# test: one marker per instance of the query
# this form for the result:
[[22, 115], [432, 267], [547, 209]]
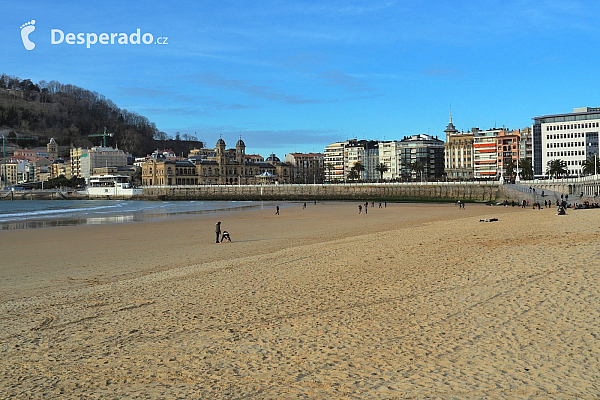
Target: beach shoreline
[[418, 300]]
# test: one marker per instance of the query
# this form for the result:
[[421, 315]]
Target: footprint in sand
[[26, 29]]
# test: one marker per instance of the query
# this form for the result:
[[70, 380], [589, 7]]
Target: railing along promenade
[[414, 191], [584, 186]]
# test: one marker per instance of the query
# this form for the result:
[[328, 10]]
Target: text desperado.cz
[[57, 37]]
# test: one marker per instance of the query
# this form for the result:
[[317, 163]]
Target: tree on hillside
[[69, 114]]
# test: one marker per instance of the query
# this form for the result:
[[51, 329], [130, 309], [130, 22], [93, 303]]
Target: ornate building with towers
[[219, 167]]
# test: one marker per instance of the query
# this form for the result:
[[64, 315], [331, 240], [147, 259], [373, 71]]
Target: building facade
[[485, 155], [526, 144], [334, 162], [390, 156], [221, 167], [365, 152], [306, 167], [424, 151], [507, 144], [572, 138], [458, 154], [100, 157]]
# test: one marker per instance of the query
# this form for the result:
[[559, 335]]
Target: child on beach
[[226, 237]]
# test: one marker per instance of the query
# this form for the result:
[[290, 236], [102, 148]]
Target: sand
[[408, 301]]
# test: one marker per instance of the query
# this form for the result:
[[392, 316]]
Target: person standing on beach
[[360, 208], [277, 210], [218, 230]]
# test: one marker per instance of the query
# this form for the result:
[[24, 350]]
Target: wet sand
[[408, 301]]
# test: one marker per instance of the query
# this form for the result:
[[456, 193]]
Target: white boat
[[110, 185]]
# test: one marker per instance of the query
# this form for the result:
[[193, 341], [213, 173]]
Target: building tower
[[240, 152], [52, 149], [220, 147], [450, 129]]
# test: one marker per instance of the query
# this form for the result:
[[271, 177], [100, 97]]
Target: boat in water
[[110, 186]]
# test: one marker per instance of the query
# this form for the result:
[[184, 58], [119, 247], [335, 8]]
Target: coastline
[[417, 300]]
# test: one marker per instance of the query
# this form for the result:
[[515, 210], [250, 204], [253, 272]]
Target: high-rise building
[[572, 138]]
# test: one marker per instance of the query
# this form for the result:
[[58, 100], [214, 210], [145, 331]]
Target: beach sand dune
[[409, 301]]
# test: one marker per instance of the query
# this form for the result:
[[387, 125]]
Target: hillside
[[70, 113]]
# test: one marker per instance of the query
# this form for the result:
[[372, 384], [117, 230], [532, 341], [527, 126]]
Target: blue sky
[[293, 76]]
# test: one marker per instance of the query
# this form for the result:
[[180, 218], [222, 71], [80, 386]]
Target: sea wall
[[438, 191]]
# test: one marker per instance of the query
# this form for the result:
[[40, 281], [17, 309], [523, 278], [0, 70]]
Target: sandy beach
[[407, 301]]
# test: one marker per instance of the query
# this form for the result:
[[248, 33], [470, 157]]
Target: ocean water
[[28, 214]]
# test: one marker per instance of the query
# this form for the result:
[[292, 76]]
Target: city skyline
[[296, 76]]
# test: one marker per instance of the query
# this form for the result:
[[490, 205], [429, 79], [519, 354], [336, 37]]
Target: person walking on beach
[[218, 230], [304, 206], [277, 210], [360, 208]]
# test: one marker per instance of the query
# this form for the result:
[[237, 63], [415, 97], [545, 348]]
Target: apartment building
[[507, 150], [334, 162], [485, 155], [390, 155], [423, 150]]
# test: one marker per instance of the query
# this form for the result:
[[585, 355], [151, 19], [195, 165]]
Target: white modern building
[[572, 138]]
